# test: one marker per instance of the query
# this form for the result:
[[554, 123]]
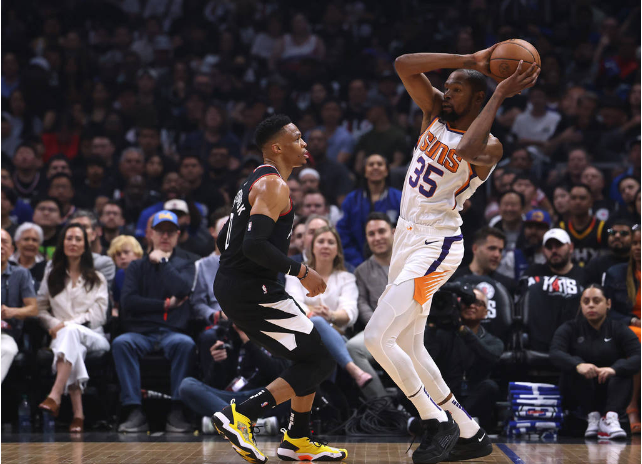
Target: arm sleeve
[[47, 320], [258, 248], [560, 349], [363, 303], [348, 297], [130, 299], [96, 314], [630, 344]]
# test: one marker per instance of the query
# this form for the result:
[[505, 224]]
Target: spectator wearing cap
[[171, 189], [27, 240], [9, 200], [18, 303], [46, 214], [602, 206], [335, 178], [193, 238], [586, 231], [309, 179], [488, 247], [192, 172], [558, 250], [61, 188], [154, 311], [384, 138], [619, 236], [529, 245], [375, 196]]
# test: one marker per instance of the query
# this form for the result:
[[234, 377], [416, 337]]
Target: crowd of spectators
[[127, 129]]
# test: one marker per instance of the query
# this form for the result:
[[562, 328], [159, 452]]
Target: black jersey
[[233, 261], [587, 242]]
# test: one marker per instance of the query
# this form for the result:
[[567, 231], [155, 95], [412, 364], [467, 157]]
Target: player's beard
[[449, 116]]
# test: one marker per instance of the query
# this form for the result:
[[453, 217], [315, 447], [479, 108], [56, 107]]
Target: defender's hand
[[521, 79], [313, 283]]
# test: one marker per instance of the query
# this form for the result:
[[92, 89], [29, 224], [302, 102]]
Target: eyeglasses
[[623, 233]]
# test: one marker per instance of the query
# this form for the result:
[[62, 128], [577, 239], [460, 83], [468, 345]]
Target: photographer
[[463, 350]]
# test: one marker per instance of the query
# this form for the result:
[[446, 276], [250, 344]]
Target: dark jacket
[[351, 226], [615, 289], [460, 353], [145, 289], [614, 345]]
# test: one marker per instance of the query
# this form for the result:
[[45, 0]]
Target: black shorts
[[269, 316]]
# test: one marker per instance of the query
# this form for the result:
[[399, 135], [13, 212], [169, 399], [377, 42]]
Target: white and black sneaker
[[593, 425], [477, 446], [439, 438]]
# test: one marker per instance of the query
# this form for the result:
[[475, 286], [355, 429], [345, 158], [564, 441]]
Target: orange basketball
[[507, 55]]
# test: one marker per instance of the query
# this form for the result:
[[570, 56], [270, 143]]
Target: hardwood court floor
[[214, 450]]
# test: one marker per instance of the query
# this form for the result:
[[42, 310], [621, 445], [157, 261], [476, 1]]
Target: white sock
[[426, 407], [467, 426]]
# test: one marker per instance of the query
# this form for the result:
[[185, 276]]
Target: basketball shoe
[[305, 449], [610, 427], [239, 430], [477, 446], [439, 438]]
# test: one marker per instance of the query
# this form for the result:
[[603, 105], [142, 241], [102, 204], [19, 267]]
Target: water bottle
[[24, 416], [48, 422]]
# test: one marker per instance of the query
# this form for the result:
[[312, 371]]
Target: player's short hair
[[269, 127], [476, 80], [482, 235]]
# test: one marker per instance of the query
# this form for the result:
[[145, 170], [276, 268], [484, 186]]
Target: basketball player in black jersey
[[254, 245]]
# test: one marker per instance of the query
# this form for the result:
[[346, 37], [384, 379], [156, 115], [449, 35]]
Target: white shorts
[[426, 254]]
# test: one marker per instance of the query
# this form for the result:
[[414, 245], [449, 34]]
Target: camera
[[445, 308]]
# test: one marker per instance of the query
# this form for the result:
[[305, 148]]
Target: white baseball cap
[[176, 205], [558, 234]]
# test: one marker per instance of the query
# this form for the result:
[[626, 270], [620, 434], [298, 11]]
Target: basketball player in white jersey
[[454, 155]]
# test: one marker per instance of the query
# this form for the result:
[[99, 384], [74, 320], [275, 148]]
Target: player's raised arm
[[477, 146], [270, 197], [411, 69]]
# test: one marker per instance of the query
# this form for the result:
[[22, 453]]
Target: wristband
[[307, 269]]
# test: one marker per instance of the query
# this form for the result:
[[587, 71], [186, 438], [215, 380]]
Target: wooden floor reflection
[[215, 451]]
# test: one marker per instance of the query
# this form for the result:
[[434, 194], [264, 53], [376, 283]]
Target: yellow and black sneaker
[[239, 430], [304, 449]]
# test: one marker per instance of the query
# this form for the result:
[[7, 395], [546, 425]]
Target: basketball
[[507, 55]]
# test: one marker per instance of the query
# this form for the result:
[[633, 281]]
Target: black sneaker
[[439, 438], [476, 446]]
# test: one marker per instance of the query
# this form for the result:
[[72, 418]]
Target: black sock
[[256, 405], [299, 424]]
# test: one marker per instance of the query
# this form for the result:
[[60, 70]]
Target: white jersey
[[438, 181]]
